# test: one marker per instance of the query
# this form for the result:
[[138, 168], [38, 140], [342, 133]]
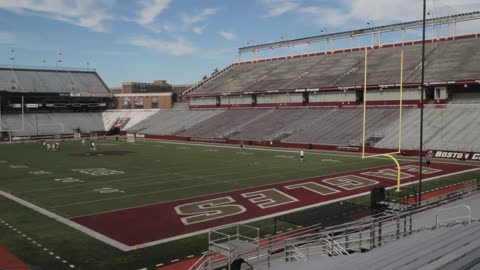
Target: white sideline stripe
[[290, 211], [282, 150], [68, 222]]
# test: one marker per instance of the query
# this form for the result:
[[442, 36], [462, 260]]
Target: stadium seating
[[447, 60], [171, 122], [51, 81], [52, 123], [224, 124], [452, 127], [427, 250], [134, 116], [449, 127]]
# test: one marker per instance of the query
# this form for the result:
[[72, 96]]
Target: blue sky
[[182, 40]]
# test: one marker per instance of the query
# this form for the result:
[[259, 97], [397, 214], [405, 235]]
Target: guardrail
[[358, 236], [468, 217]]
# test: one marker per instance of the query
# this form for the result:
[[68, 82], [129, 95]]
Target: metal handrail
[[469, 216], [202, 260], [299, 253], [344, 237]]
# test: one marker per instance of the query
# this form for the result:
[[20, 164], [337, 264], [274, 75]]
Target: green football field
[[75, 182], [150, 172]]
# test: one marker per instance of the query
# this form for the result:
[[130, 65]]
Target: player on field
[[301, 155], [83, 142], [428, 160], [92, 146]]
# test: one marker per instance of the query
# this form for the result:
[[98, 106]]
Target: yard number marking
[[39, 172], [98, 171], [108, 190], [68, 180]]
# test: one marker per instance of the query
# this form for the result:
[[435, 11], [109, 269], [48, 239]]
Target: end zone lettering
[[216, 208], [454, 155], [449, 154]]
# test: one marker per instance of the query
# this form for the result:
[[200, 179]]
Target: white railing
[[360, 235], [201, 262], [468, 217], [297, 254]]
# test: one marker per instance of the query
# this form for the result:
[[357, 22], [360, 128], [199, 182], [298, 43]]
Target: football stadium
[[363, 157]]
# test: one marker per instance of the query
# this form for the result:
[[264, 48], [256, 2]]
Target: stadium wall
[[277, 144]]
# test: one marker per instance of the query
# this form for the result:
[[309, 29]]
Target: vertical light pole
[[422, 88], [59, 59], [285, 38], [324, 30], [252, 43], [430, 13], [12, 57], [372, 24]]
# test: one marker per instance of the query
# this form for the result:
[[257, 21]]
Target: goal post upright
[[23, 118], [364, 125]]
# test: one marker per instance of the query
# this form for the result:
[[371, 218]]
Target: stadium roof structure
[[445, 20], [74, 82]]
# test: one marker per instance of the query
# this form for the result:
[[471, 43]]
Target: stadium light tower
[[374, 34], [12, 57], [430, 13], [252, 42], [286, 37], [59, 59], [324, 30]]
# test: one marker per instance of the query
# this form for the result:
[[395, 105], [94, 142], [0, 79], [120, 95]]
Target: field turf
[[150, 172], [136, 174]]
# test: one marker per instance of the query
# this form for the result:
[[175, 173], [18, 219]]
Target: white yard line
[[282, 150], [67, 222], [184, 178]]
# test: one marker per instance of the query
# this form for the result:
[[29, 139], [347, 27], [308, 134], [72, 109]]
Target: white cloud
[[90, 14], [228, 35], [7, 38], [279, 7], [199, 29], [151, 9], [175, 47], [346, 13], [198, 16]]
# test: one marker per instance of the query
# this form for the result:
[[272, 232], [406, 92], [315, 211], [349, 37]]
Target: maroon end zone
[[173, 220]]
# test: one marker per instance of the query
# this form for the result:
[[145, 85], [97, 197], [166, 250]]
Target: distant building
[[158, 86], [116, 90]]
